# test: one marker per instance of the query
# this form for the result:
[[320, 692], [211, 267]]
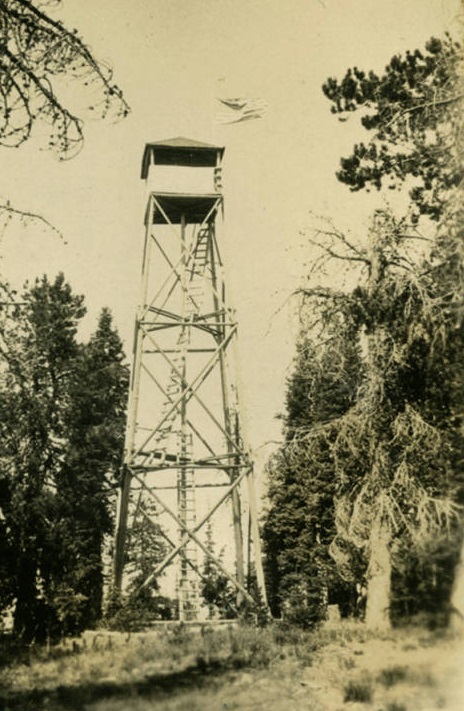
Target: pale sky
[[171, 57]]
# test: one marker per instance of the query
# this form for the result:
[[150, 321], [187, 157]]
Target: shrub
[[392, 675], [303, 604], [252, 647], [358, 690], [136, 613], [395, 706]]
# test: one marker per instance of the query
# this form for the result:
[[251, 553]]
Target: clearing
[[340, 668]]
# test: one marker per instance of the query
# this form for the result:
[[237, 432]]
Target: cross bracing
[[184, 434]]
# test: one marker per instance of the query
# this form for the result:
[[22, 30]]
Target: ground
[[340, 668]]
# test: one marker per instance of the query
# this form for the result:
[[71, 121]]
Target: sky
[[171, 58]]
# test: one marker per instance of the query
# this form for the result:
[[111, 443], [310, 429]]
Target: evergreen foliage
[[414, 115], [300, 525], [394, 448], [373, 438], [411, 112], [145, 547], [216, 589], [382, 449], [61, 423], [95, 420]]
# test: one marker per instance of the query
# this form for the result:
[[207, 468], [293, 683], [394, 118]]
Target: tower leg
[[184, 432], [121, 530]]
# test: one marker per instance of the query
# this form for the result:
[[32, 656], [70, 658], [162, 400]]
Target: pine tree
[[146, 547], [215, 588], [412, 113], [39, 348], [299, 525], [392, 449], [87, 479], [412, 310], [61, 421]]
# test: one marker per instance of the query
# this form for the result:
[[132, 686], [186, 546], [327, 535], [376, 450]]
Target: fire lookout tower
[[187, 468]]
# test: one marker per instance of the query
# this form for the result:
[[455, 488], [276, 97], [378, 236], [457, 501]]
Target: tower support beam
[[185, 449]]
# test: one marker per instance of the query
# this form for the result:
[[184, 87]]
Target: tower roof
[[180, 151]]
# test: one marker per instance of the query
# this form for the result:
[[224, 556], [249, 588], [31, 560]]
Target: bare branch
[[429, 105], [35, 50], [7, 212]]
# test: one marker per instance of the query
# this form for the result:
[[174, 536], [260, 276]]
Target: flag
[[241, 109]]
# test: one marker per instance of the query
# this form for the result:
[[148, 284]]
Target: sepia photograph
[[231, 355]]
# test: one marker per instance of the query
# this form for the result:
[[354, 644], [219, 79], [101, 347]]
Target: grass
[[360, 689], [107, 658], [207, 668], [392, 675]]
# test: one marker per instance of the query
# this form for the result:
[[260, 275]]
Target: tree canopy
[[412, 113], [62, 401], [61, 422], [386, 444], [300, 523]]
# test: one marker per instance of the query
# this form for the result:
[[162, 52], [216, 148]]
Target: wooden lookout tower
[[187, 469]]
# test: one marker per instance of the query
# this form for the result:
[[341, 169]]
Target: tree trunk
[[379, 346], [457, 599], [25, 620], [379, 579]]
